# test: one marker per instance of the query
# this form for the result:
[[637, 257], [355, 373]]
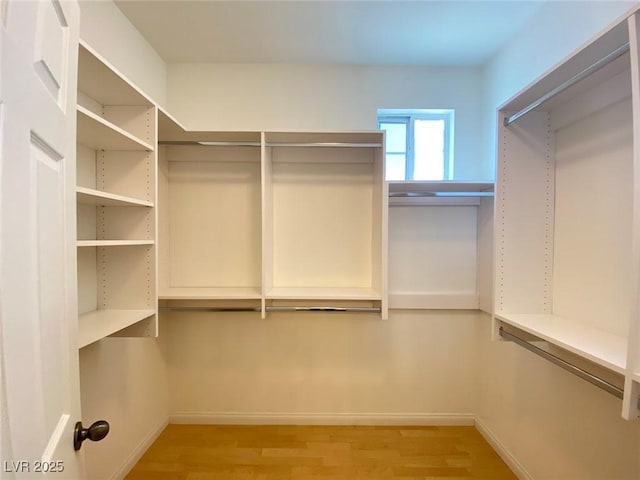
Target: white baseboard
[[138, 451], [262, 418], [512, 462]]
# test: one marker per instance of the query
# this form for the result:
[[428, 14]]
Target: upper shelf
[[99, 80], [170, 130], [99, 134], [591, 55]]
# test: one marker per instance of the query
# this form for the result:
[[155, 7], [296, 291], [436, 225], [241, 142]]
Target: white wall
[[557, 426], [230, 367], [104, 27], [123, 381], [282, 97]]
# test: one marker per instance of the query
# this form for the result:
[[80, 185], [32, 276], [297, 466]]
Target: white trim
[[512, 462], [138, 451], [268, 418]]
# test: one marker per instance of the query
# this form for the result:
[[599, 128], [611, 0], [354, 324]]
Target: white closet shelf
[[211, 293], [93, 326], [102, 82], [368, 139], [448, 192], [113, 243], [99, 134], [322, 293], [603, 348], [89, 196]]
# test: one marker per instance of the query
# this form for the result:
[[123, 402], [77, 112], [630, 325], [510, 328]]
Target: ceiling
[[363, 32]]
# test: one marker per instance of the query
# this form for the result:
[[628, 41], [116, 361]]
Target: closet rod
[[272, 144], [618, 52], [323, 144], [589, 377], [210, 144], [439, 194], [210, 309], [323, 309]]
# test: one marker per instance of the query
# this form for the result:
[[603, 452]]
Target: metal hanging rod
[[618, 52], [211, 144], [323, 309], [439, 194], [272, 144], [271, 309], [210, 309], [589, 377], [323, 144]]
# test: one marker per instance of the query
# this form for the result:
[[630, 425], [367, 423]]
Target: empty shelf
[[321, 293], [99, 134], [90, 196], [93, 326], [603, 348], [211, 293], [112, 243]]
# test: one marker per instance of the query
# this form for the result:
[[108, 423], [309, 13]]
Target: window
[[419, 144]]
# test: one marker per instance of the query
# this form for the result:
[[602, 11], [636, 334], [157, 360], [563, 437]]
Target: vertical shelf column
[[631, 400]]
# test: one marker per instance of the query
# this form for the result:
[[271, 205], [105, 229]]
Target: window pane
[[429, 150], [396, 166], [396, 136]]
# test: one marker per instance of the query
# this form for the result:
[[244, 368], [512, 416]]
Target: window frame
[[408, 118]]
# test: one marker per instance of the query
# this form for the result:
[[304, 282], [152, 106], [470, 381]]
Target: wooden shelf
[[303, 293], [603, 348], [93, 326], [221, 293], [89, 196], [99, 134], [113, 243]]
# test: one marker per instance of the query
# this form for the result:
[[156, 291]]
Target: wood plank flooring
[[211, 452]]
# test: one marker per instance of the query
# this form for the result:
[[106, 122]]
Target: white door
[[38, 319]]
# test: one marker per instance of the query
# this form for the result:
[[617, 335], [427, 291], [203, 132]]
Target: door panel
[[51, 49], [38, 309]]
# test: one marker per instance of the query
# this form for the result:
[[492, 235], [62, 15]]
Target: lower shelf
[[439, 301], [603, 348], [209, 293], [95, 325], [320, 293]]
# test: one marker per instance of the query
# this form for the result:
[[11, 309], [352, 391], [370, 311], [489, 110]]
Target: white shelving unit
[[271, 218], [116, 198], [567, 217], [324, 218], [433, 243], [209, 215]]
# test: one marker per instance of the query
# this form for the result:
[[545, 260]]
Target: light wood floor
[[207, 452]]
